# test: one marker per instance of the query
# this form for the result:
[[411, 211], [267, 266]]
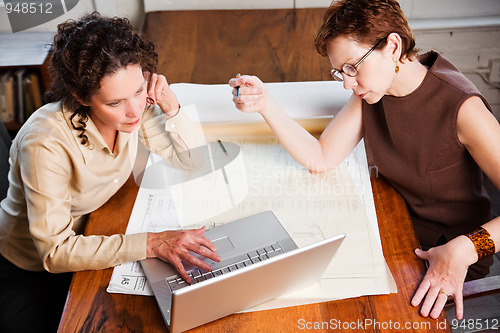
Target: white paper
[[309, 211], [310, 99]]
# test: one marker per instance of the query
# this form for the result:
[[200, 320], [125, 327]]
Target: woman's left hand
[[160, 93], [445, 276]]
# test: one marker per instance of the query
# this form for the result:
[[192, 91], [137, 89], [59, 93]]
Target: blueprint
[[260, 175]]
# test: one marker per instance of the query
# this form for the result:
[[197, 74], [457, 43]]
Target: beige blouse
[[55, 181]]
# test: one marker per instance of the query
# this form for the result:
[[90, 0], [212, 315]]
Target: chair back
[[5, 142]]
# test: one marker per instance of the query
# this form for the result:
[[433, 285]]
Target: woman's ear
[[79, 100], [394, 46]]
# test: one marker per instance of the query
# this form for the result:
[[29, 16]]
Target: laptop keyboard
[[197, 275]]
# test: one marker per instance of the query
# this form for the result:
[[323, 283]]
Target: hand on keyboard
[[196, 275], [173, 246]]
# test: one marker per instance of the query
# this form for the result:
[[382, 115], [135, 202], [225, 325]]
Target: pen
[[238, 87], [223, 148], [225, 177]]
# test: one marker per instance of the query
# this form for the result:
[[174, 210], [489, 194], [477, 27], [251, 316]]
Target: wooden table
[[276, 45]]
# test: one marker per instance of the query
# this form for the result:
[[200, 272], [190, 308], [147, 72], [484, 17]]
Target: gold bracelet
[[482, 242]]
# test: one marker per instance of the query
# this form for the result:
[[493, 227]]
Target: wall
[[467, 32], [413, 8], [470, 51]]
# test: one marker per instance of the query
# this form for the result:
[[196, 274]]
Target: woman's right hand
[[173, 246], [252, 95], [159, 92]]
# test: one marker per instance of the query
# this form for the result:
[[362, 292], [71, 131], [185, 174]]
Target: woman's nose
[[134, 110], [349, 82]]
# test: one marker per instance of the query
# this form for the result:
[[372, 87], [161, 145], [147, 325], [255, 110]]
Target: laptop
[[259, 261]]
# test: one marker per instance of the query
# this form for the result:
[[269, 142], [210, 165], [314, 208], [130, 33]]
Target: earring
[[396, 69]]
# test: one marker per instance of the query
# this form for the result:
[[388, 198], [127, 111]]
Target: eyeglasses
[[351, 70]]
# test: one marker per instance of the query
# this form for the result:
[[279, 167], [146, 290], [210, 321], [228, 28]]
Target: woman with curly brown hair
[[428, 129], [72, 155]]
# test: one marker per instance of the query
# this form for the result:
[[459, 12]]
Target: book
[[2, 98], [8, 89], [36, 90], [28, 98], [19, 96]]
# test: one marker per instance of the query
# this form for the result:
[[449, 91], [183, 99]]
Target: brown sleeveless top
[[414, 144]]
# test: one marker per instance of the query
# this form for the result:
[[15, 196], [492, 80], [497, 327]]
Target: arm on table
[[477, 129]]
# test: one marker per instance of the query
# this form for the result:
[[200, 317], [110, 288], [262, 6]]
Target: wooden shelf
[[29, 51]]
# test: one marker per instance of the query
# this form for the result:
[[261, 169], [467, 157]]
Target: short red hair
[[366, 22]]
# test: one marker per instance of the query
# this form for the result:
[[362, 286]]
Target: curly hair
[[366, 22], [87, 50]]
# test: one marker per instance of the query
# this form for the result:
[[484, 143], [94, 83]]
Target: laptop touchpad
[[223, 244]]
